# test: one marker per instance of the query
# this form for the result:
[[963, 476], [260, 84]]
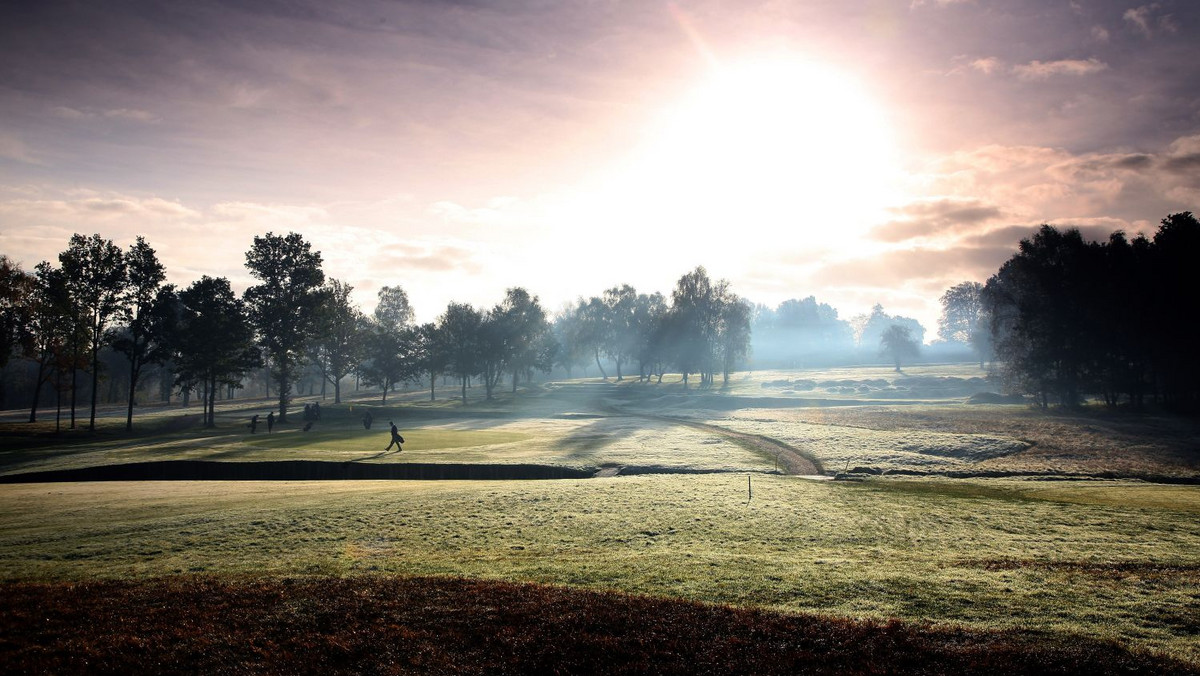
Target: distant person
[[307, 412], [254, 423], [270, 421], [396, 438], [317, 411], [367, 420]]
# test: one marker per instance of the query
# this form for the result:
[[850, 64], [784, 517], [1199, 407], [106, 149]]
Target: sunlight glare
[[780, 149]]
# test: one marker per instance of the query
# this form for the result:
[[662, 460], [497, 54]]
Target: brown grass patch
[[439, 625]]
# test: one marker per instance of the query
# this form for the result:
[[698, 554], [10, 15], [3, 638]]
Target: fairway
[[690, 502]]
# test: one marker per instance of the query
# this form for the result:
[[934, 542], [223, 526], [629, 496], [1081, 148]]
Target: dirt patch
[[790, 459], [451, 626]]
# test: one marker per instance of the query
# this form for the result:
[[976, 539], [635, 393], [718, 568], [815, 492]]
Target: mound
[[423, 625]]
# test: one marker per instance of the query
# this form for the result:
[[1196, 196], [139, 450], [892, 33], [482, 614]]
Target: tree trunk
[[37, 392], [602, 372], [337, 391], [432, 385], [133, 378], [283, 390], [95, 382], [464, 390], [619, 377], [74, 384]]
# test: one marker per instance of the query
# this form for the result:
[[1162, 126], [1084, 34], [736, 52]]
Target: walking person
[[270, 421], [396, 438], [254, 424]]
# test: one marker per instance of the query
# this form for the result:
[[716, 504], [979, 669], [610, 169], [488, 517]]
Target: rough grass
[[989, 555], [422, 625]]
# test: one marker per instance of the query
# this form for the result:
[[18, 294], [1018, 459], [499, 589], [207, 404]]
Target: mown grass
[[982, 554]]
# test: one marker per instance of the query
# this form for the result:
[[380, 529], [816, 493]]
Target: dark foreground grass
[[401, 625]]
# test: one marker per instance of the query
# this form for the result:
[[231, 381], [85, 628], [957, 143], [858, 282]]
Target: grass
[[1103, 560], [989, 555], [376, 624]]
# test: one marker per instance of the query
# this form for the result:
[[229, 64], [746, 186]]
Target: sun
[[779, 147]]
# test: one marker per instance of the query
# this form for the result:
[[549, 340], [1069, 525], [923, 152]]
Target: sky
[[862, 151]]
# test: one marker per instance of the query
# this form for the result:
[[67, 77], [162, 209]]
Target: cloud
[[1145, 22], [1100, 33], [13, 148], [1036, 184], [1042, 70], [936, 217]]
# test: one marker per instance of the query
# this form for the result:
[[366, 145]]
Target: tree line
[[1065, 317], [69, 320]]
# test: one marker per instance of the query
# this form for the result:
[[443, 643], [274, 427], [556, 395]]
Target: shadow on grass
[[452, 626]]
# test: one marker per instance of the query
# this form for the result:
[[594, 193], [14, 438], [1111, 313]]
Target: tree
[[964, 320], [695, 323], [16, 287], [339, 340], [1041, 316], [142, 339], [392, 346], [392, 355], [460, 324], [734, 332], [16, 290], [618, 310], [393, 308], [898, 344], [571, 350], [214, 341], [52, 330], [284, 307], [649, 315], [433, 354], [525, 330], [96, 276]]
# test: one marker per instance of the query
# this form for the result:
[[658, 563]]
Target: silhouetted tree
[[284, 307], [1040, 315], [340, 342], [52, 330], [214, 342], [16, 287], [143, 336], [96, 276]]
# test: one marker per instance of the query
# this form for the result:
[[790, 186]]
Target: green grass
[[987, 554], [1109, 559]]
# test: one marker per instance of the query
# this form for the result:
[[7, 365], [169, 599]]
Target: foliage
[[284, 307], [340, 343], [213, 340], [897, 343], [1070, 316], [96, 277], [145, 317]]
